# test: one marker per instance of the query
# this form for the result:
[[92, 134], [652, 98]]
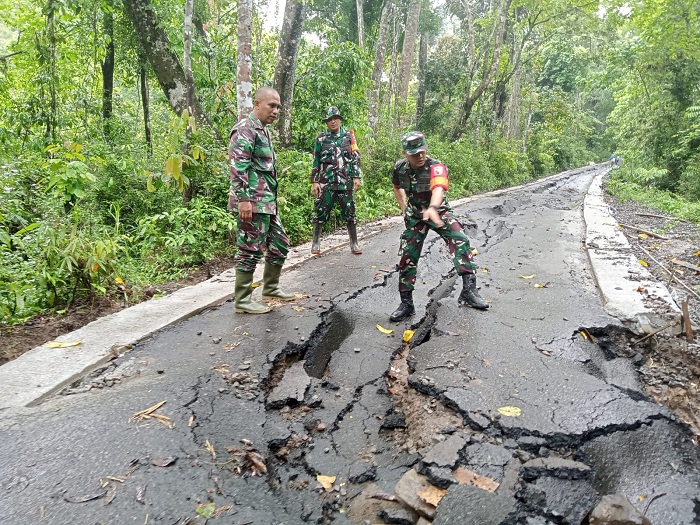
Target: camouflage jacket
[[336, 160], [416, 184], [253, 175]]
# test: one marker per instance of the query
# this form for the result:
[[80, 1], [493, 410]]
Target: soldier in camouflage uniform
[[253, 196], [420, 183], [335, 174]]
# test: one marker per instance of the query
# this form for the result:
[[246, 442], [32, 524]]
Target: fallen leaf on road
[[475, 251], [643, 262], [467, 477], [407, 334], [485, 270], [431, 494], [528, 276], [510, 411], [538, 285], [141, 494], [61, 344], [210, 448], [326, 481], [231, 346], [83, 499], [255, 285], [149, 413], [189, 423], [219, 511], [164, 462], [384, 330], [383, 496], [643, 236], [296, 309], [205, 510]]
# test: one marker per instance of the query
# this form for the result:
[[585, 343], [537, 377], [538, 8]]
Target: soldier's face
[[417, 160], [333, 124], [267, 107]]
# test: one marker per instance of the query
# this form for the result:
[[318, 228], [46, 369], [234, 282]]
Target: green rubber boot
[[244, 291], [271, 282]]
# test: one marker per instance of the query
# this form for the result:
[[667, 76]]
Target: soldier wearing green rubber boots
[[420, 183], [335, 176], [253, 196]]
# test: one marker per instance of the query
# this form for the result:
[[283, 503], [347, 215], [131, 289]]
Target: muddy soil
[[671, 368]]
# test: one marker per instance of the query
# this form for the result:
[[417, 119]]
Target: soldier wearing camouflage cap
[[420, 183], [335, 175], [253, 196]]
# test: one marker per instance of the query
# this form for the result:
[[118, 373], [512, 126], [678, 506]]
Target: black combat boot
[[470, 295], [354, 245], [405, 308], [316, 242]]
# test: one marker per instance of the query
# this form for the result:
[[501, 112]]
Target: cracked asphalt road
[[262, 405]]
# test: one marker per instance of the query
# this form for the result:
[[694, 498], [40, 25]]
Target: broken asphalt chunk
[[446, 453], [398, 516], [467, 505], [616, 509], [393, 419], [292, 388], [407, 490], [555, 467]]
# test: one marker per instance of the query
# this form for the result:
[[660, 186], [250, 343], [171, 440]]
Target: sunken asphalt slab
[[43, 371]]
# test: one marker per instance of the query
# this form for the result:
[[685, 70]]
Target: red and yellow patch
[[438, 177], [353, 142]]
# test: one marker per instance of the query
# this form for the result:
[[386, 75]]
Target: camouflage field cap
[[332, 112], [413, 142]]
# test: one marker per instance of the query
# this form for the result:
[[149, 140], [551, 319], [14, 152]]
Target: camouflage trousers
[[324, 204], [412, 244], [264, 234]]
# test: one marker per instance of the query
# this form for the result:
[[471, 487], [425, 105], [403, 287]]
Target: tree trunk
[[409, 48], [378, 71], [143, 81], [422, 64], [244, 84], [52, 113], [488, 73], [287, 55], [360, 23], [108, 67], [189, 82], [164, 62]]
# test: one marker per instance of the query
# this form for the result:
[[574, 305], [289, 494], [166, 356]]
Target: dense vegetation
[[106, 185]]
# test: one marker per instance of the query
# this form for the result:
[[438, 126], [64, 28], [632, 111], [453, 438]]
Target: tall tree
[[489, 66], [108, 65], [189, 81], [378, 71], [165, 64], [360, 23], [244, 85], [422, 65], [409, 48], [287, 54]]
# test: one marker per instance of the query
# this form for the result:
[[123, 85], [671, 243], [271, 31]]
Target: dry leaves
[[383, 330], [326, 481], [61, 344], [510, 411], [431, 494], [149, 413], [467, 477]]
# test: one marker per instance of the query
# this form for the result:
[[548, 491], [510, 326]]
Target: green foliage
[[295, 201], [335, 76], [183, 236]]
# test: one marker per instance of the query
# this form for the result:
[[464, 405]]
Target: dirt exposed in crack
[[671, 367], [424, 415]]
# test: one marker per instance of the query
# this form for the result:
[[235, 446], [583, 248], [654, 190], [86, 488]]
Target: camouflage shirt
[[336, 160], [253, 175], [416, 184]]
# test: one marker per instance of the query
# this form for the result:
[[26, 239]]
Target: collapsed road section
[[325, 412]]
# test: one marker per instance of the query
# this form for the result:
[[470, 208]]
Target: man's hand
[[316, 189], [356, 183], [432, 215], [245, 211]]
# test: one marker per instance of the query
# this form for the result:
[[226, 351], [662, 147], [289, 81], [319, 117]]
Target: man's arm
[[436, 200], [316, 169], [241, 155], [400, 195]]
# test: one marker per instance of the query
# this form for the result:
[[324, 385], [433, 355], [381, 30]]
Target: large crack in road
[[311, 414]]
